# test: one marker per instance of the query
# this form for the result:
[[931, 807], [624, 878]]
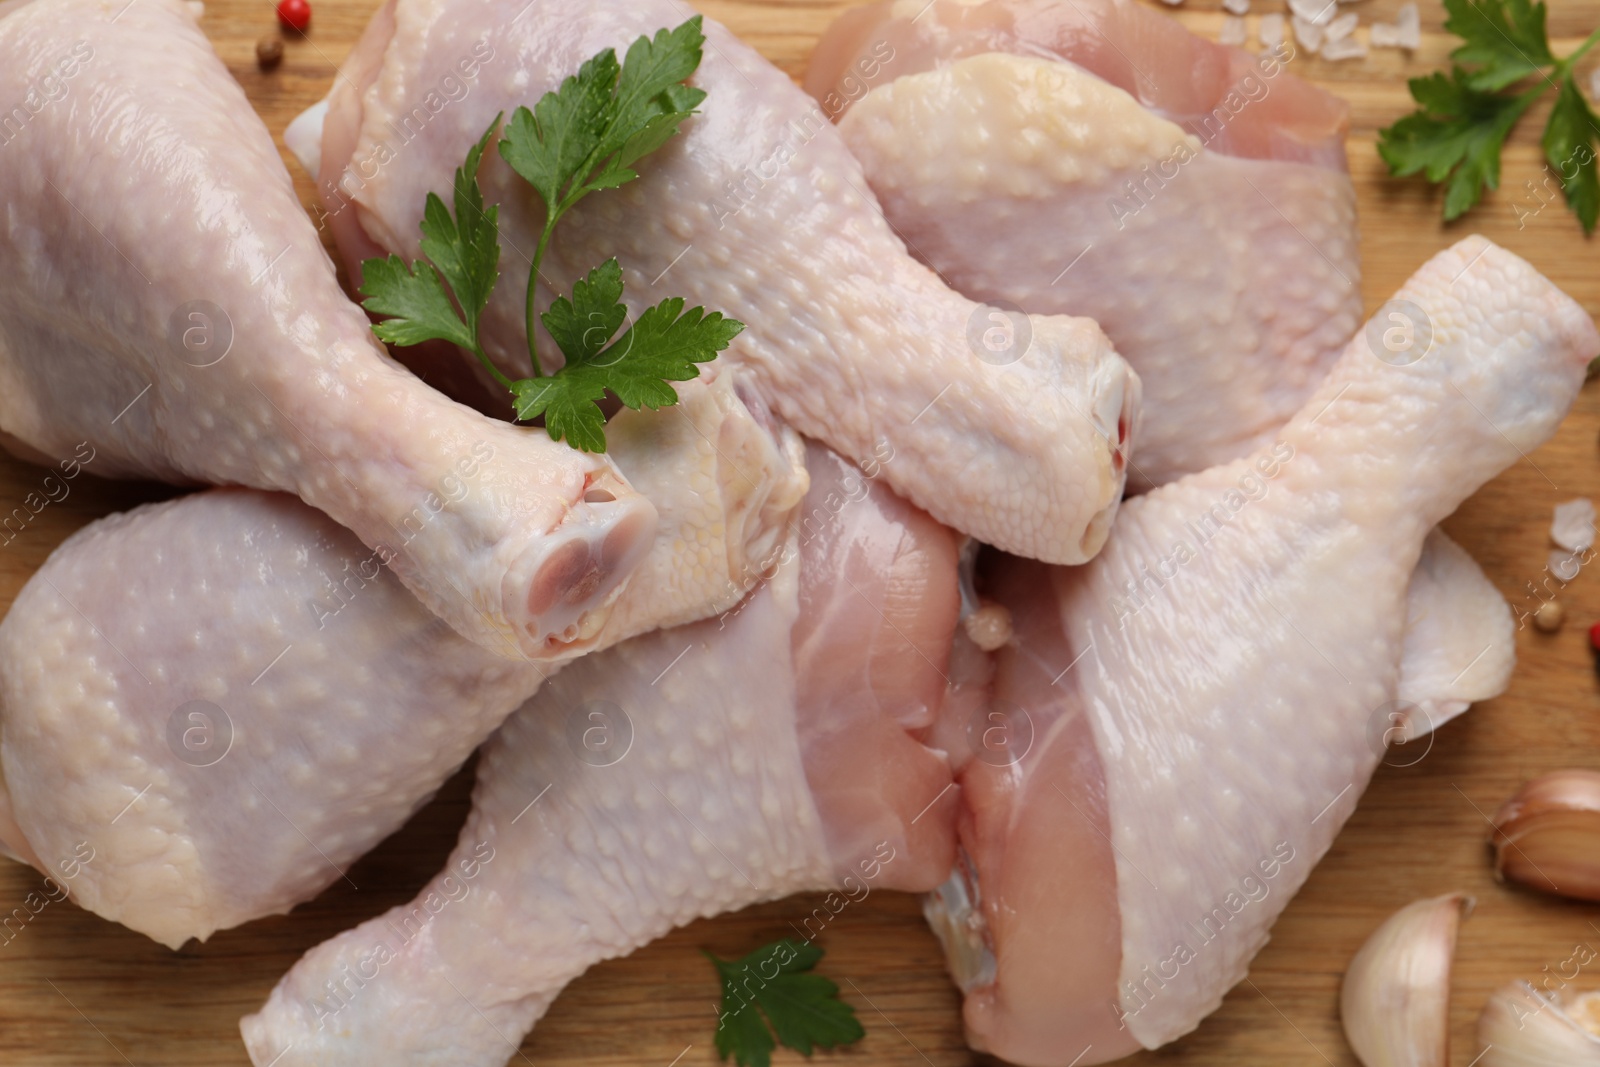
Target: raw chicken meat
[[168, 302], [718, 786], [1207, 700], [1139, 50], [758, 210], [230, 698], [1207, 221]]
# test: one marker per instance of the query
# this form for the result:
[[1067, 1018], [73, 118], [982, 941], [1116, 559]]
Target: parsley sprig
[[803, 1010], [1457, 134], [584, 137]]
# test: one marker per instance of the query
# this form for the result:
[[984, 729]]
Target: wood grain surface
[[75, 990]]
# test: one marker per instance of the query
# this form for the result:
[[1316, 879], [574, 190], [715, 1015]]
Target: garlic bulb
[[1522, 1027], [1395, 1001], [1548, 835]]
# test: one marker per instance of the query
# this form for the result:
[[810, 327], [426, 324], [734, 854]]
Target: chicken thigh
[[1193, 716], [230, 698], [1096, 158], [679, 775], [758, 210], [168, 302]]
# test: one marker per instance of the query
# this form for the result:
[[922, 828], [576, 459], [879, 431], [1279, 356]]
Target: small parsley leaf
[[1504, 39], [773, 987], [1569, 148], [464, 253], [1457, 133], [585, 136], [584, 325], [662, 346]]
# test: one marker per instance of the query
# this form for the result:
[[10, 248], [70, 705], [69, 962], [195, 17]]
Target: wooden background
[[75, 990]]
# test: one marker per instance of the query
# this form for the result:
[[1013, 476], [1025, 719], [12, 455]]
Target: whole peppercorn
[[1548, 618], [269, 53], [295, 14]]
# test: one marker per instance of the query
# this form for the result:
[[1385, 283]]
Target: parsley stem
[[533, 284], [483, 357], [1565, 66]]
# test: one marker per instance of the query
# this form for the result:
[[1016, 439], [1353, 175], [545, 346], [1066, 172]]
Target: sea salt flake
[[1307, 33], [1233, 31], [1410, 23], [1573, 525], [1344, 48], [1236, 7], [1564, 565], [1340, 28], [1316, 12], [1270, 31], [1594, 85]]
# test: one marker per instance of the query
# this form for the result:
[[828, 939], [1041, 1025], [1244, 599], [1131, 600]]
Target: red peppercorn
[[295, 14], [1594, 637]]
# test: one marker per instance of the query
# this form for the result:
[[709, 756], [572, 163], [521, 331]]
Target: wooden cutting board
[[75, 990]]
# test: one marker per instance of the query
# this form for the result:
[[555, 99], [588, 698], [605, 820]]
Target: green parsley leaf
[[662, 346], [464, 253], [1569, 148], [585, 136], [1505, 40], [584, 325], [1457, 133], [773, 984], [588, 134], [550, 144]]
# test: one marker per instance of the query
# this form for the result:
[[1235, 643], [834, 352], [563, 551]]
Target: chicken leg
[[770, 751], [758, 210], [1193, 199], [231, 698], [168, 301], [1208, 698]]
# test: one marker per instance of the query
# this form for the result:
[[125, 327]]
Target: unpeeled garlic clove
[[1395, 1000], [1547, 836], [1522, 1027]]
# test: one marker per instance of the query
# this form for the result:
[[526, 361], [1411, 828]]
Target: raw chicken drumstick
[[1208, 698], [738, 775], [230, 698], [756, 209], [1208, 194], [1094, 157], [167, 300]]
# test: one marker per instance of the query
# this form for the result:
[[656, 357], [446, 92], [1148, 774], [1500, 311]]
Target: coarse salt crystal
[[1316, 12], [1573, 525], [1340, 28], [1270, 31], [1236, 7], [1594, 85], [1410, 23], [1564, 565], [1344, 48], [1307, 33], [1233, 31]]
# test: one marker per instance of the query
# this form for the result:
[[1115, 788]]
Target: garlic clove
[[1547, 835], [1522, 1027], [1395, 1000]]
